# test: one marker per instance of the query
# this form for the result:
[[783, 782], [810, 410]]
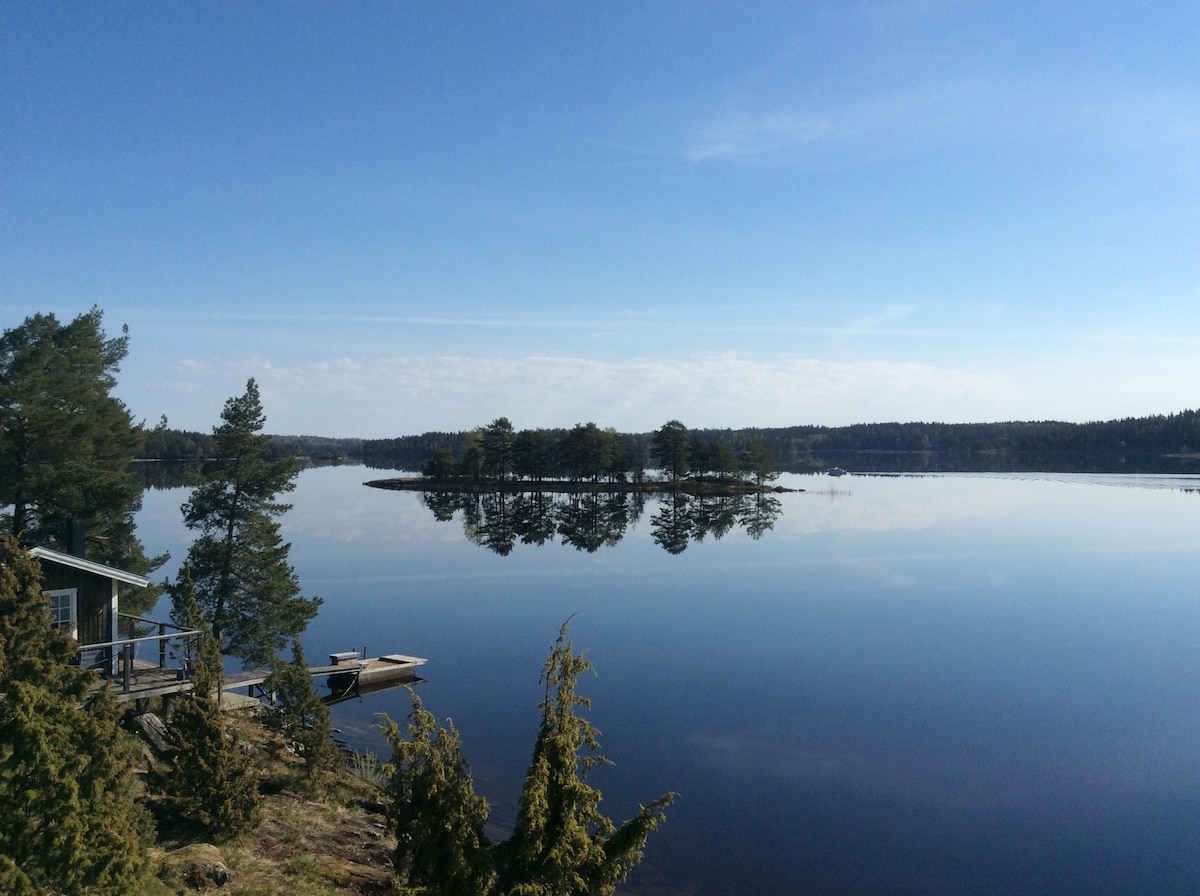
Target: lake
[[909, 685]]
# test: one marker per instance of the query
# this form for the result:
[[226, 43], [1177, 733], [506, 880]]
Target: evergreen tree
[[498, 442], [239, 562], [211, 782], [562, 844], [533, 454], [13, 880], [758, 461], [66, 441], [68, 820], [186, 613], [441, 847], [669, 447], [300, 714]]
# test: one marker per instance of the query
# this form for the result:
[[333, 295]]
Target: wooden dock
[[354, 678], [348, 677]]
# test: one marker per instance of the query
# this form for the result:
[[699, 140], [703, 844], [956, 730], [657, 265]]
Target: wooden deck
[[146, 680]]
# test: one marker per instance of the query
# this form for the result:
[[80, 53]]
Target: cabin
[[83, 597]]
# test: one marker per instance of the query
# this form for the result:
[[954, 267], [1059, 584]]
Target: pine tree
[[65, 440], [239, 562], [669, 446], [562, 844], [68, 819], [300, 715]]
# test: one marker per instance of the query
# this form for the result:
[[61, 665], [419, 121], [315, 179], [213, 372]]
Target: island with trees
[[495, 458]]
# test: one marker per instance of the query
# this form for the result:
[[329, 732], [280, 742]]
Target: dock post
[[127, 652]]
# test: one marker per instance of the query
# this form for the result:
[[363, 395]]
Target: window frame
[[71, 628]]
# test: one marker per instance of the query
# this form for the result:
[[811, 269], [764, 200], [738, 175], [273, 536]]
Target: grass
[[322, 837]]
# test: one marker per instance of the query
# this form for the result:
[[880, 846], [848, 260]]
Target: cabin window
[[63, 611]]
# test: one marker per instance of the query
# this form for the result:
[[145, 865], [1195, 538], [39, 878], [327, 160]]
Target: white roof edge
[[99, 569]]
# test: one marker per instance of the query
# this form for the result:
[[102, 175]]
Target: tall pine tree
[[68, 820], [65, 440], [239, 561]]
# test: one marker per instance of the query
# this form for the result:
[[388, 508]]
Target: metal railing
[[126, 649]]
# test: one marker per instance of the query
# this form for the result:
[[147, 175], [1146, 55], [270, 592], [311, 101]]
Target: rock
[[152, 730], [197, 865]]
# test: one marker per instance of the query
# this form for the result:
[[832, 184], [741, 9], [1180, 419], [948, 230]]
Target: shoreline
[[703, 486]]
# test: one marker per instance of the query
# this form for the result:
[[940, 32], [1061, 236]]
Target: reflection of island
[[590, 520]]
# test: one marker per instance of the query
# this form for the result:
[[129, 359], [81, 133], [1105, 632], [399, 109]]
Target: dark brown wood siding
[[92, 596]]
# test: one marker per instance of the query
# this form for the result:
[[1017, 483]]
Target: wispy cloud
[[743, 137], [400, 395], [749, 135], [1086, 111]]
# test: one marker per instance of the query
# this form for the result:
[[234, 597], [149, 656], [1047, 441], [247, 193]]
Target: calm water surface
[[918, 685]]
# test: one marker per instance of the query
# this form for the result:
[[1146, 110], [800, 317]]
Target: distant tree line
[[164, 443], [587, 451]]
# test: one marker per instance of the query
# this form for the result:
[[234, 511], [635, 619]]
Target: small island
[[496, 459], [695, 485]]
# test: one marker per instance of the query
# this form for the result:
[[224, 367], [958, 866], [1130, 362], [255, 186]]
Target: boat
[[836, 471], [375, 673]]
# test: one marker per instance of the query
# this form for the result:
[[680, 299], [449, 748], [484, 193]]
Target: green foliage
[[758, 462], [533, 454], [239, 561], [441, 848], [441, 466], [300, 715], [211, 782], [13, 880], [66, 441], [1160, 444], [670, 447], [203, 654], [68, 820], [562, 843], [498, 443]]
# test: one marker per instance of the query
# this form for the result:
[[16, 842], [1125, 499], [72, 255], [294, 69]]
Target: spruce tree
[[239, 561], [68, 820]]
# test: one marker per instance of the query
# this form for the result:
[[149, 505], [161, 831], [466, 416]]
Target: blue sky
[[402, 217]]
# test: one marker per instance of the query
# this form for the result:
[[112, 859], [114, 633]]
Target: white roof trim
[[99, 569]]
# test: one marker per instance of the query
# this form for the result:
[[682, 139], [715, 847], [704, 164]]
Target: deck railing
[[179, 642]]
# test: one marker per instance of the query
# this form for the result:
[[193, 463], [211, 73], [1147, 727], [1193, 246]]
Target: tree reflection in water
[[589, 521]]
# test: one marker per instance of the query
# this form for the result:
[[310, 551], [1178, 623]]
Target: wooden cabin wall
[[92, 597]]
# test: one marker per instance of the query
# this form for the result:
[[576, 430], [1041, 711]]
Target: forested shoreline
[[1156, 444]]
